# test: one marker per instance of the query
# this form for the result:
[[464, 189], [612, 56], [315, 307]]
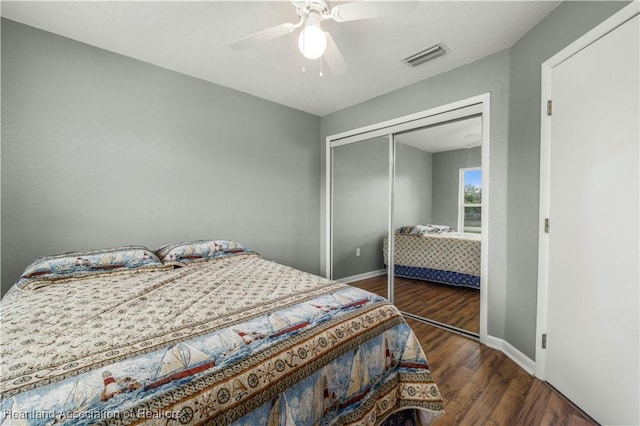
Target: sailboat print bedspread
[[237, 340]]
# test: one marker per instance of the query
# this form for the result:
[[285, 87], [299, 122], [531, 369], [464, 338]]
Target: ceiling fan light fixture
[[312, 41]]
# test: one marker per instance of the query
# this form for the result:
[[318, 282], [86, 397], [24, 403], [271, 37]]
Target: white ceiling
[[461, 134], [193, 38]]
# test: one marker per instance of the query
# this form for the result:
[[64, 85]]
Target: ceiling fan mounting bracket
[[307, 8]]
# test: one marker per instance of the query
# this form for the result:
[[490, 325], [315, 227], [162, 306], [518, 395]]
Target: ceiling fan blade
[[333, 57], [261, 36], [371, 9]]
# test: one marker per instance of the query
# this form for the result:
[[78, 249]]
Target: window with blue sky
[[470, 210]]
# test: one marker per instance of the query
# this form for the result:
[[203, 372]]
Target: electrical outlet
[[358, 251]]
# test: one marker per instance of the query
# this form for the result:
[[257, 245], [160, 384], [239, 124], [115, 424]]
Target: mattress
[[448, 258], [237, 340]]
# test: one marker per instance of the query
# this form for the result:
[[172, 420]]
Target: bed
[[436, 253], [204, 332]]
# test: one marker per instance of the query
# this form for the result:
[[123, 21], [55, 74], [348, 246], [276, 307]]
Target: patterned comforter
[[448, 258], [238, 340]]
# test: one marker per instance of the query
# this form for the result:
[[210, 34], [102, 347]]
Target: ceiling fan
[[313, 42]]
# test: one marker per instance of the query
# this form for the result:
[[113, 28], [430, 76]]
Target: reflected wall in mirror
[[437, 212], [360, 209]]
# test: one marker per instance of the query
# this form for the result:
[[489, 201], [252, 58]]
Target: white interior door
[[592, 321]]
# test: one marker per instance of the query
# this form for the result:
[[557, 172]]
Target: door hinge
[[544, 341], [549, 107], [546, 225]]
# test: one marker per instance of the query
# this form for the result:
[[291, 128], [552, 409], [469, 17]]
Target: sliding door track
[[446, 327]]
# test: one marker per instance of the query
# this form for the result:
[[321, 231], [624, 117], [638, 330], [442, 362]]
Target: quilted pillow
[[180, 254], [404, 230], [423, 229], [90, 263], [434, 229]]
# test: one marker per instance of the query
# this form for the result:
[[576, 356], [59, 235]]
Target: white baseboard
[[526, 363], [364, 276]]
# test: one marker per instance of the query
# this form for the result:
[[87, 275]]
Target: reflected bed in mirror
[[437, 275], [430, 253]]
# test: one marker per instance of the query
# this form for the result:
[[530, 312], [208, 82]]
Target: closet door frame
[[475, 105]]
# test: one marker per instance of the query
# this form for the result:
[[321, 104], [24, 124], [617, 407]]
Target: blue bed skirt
[[445, 277]]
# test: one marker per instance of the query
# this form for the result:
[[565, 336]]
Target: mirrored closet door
[[406, 213], [437, 259]]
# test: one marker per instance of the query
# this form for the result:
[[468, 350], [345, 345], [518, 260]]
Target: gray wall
[[100, 150], [360, 206], [513, 79], [413, 186], [446, 185]]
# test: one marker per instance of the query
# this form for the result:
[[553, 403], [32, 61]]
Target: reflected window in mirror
[[470, 207]]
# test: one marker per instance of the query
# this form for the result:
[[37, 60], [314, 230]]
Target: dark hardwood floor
[[480, 385], [455, 306]]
